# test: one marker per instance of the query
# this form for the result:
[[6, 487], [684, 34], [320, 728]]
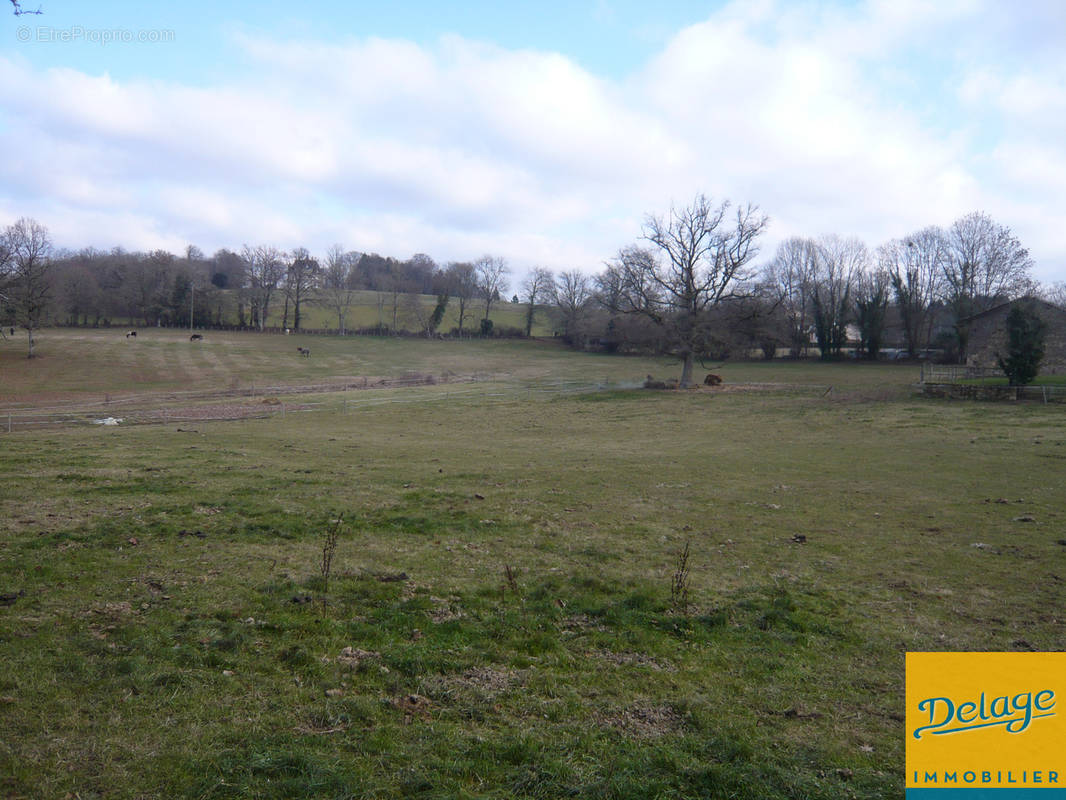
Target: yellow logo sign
[[986, 720]]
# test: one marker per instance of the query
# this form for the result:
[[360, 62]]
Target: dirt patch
[[445, 611], [578, 623], [488, 680], [630, 659], [111, 611], [413, 706], [352, 657], [645, 721]]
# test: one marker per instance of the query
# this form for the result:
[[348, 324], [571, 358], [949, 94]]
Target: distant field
[[87, 363], [498, 619], [372, 309]]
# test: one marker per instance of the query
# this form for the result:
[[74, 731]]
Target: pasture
[[497, 619]]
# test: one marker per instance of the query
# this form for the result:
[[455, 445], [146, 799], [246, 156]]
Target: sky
[[541, 132]]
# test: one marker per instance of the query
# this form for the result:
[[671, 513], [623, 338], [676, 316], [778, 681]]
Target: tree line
[[688, 286], [254, 288]]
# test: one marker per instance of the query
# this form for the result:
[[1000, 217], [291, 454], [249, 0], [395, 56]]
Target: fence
[[943, 380], [953, 373], [970, 391]]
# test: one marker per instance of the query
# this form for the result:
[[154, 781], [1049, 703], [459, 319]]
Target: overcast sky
[[542, 132]]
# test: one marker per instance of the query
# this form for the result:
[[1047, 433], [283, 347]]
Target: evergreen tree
[[1025, 345]]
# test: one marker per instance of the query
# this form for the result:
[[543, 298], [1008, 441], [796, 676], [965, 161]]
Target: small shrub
[[679, 582], [329, 549]]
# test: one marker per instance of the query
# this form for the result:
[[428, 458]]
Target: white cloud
[[831, 117]]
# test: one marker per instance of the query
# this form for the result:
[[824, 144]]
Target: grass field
[[497, 620]]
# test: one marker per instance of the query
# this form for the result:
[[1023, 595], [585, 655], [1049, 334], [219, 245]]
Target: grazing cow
[[712, 380], [196, 337], [131, 333], [304, 351]]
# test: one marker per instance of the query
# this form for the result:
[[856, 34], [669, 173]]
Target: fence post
[[9, 422]]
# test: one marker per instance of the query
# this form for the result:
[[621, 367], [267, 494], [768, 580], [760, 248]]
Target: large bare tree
[[301, 281], [492, 272], [789, 283], [25, 274], [986, 264], [338, 286], [702, 256], [838, 264], [572, 293], [537, 289], [915, 265], [265, 270], [461, 281], [873, 288]]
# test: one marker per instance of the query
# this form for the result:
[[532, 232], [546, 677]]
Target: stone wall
[[988, 337]]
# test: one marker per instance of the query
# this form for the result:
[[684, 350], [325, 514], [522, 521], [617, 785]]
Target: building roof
[[1029, 299]]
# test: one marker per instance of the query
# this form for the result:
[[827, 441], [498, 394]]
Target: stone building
[[988, 335]]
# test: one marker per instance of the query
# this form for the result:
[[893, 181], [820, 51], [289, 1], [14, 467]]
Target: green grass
[[164, 646]]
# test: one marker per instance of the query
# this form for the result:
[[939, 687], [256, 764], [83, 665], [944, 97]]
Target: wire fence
[[963, 382], [969, 391], [953, 373]]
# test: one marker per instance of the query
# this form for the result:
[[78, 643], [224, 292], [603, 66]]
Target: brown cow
[[712, 380]]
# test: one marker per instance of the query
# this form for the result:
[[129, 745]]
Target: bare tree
[[838, 263], [986, 264], [915, 266], [492, 272], [79, 290], [301, 280], [573, 293], [705, 262], [416, 312], [265, 270], [461, 280], [337, 290], [1054, 293], [25, 274], [789, 284], [537, 288], [872, 290]]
